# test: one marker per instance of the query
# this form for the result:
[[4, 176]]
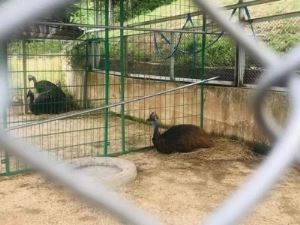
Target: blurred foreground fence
[[279, 69]]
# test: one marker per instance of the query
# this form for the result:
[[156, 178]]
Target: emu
[[45, 85], [45, 103], [179, 138]]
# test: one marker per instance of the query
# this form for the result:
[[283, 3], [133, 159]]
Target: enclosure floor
[[177, 189]]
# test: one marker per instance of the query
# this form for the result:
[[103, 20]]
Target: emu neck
[[34, 81], [31, 100], [155, 127]]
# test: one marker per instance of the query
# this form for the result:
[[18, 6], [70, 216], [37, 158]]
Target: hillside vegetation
[[280, 35]]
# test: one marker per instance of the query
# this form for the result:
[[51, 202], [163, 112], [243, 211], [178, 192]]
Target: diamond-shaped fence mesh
[[102, 57]]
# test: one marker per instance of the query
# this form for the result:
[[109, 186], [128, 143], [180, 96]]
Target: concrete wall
[[227, 109]]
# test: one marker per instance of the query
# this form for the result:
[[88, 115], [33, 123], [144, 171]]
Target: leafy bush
[[220, 54], [36, 47], [77, 56]]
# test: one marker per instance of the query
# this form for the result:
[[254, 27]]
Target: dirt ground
[[177, 189]]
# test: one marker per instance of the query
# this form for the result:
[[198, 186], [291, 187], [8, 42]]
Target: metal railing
[[285, 150]]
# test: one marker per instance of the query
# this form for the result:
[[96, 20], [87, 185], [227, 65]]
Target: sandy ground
[[76, 137], [176, 189]]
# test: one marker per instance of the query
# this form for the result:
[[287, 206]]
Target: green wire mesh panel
[[97, 66], [54, 53]]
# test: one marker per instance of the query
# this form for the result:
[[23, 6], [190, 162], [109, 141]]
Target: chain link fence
[[280, 68]]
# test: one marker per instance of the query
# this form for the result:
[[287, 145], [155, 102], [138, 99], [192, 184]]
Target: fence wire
[[285, 150]]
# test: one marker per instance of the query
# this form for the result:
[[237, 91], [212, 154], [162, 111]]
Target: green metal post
[[4, 73], [85, 77], [107, 69], [96, 49], [203, 68], [24, 55], [122, 70]]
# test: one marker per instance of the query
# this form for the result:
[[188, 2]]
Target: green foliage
[[217, 54], [77, 56], [83, 13], [220, 54], [144, 6], [44, 47], [15, 47], [284, 37], [36, 47]]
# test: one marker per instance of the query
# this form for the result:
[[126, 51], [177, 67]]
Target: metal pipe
[[274, 17], [4, 79], [111, 27], [107, 73], [122, 78], [24, 61], [172, 58], [202, 70]]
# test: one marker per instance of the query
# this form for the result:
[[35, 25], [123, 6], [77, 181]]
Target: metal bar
[[24, 56], [202, 69], [274, 17], [111, 27], [163, 30], [240, 56], [159, 78], [85, 77], [107, 82], [126, 55], [122, 70], [96, 46], [4, 78], [110, 106], [200, 12], [172, 58]]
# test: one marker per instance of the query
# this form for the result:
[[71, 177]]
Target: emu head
[[153, 117], [58, 83], [31, 78]]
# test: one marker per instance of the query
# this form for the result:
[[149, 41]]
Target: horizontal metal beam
[[274, 17], [123, 28], [198, 13]]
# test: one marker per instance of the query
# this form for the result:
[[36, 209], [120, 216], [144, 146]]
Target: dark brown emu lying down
[[179, 138]]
